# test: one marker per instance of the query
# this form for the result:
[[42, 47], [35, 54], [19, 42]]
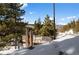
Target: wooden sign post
[[29, 38]]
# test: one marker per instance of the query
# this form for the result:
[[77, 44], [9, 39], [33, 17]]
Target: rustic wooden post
[[27, 38], [31, 38]]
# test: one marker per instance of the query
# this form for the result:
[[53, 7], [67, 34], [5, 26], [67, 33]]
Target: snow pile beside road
[[64, 37], [68, 44], [12, 49], [49, 48]]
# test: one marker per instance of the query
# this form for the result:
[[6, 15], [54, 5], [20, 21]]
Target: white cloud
[[63, 19], [68, 18], [71, 17], [61, 23], [24, 5], [30, 12], [51, 18]]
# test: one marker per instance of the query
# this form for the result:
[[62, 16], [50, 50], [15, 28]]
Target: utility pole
[[54, 20]]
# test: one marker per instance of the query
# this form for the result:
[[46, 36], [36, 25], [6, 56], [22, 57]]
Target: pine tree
[[37, 26], [48, 27], [11, 24]]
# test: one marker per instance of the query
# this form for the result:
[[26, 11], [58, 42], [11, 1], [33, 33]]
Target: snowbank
[[49, 48], [12, 49], [68, 44]]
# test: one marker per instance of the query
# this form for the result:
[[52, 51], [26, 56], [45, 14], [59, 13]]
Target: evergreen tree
[[10, 22], [37, 26], [48, 27]]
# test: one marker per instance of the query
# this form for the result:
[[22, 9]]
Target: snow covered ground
[[69, 44]]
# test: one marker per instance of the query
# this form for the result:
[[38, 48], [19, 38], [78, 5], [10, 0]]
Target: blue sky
[[65, 12], [33, 11]]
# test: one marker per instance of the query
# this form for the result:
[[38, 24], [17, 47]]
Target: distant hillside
[[30, 25], [59, 26]]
